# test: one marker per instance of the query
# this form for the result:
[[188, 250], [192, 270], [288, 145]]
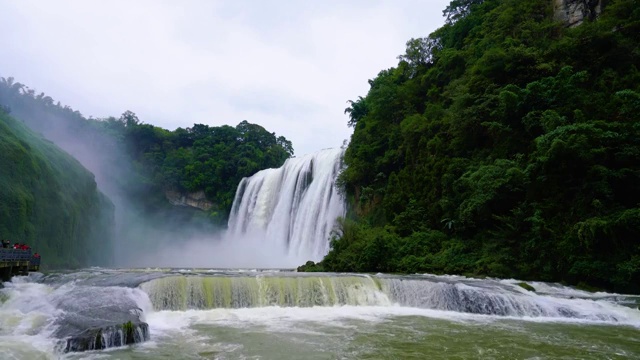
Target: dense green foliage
[[49, 201], [204, 158], [200, 158], [504, 144]]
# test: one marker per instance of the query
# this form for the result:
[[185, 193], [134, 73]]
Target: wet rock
[[107, 337], [526, 286], [93, 318]]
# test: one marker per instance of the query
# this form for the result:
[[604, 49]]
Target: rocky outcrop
[[95, 318], [574, 12], [107, 337], [196, 200]]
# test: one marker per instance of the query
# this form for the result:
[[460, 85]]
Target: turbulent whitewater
[[460, 295], [207, 314], [293, 208]]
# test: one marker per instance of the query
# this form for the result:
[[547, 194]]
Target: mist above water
[[144, 222]]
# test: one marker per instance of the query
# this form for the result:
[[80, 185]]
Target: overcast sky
[[289, 66]]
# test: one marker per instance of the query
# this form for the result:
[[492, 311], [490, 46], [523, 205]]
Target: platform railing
[[15, 255], [34, 261]]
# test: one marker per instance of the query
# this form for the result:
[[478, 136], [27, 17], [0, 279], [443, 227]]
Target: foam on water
[[282, 319], [282, 302], [470, 296], [26, 318]]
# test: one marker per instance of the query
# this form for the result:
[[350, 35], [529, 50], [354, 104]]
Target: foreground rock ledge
[[108, 337]]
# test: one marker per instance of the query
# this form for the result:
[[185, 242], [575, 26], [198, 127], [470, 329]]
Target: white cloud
[[288, 66]]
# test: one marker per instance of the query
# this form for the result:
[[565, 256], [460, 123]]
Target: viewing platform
[[17, 262]]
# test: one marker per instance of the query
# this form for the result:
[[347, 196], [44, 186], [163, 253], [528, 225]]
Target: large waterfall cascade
[[293, 208]]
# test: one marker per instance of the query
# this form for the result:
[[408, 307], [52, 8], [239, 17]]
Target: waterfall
[[193, 292], [486, 297], [491, 300], [292, 208]]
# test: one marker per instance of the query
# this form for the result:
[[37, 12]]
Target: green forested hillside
[[137, 162], [49, 201], [205, 158], [503, 144]]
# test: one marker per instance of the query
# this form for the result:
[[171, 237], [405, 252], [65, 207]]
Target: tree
[[458, 9], [129, 119], [356, 110]]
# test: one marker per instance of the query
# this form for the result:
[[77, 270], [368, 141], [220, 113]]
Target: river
[[272, 314]]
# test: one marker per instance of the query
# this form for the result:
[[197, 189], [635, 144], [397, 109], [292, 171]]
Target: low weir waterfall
[[280, 314], [293, 208]]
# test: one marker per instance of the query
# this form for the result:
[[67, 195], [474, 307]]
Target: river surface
[[270, 314]]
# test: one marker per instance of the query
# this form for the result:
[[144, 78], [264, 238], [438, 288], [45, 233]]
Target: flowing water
[[269, 314], [293, 208]]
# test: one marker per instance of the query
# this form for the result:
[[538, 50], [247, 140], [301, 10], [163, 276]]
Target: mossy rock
[[310, 266], [129, 330], [526, 286], [94, 338]]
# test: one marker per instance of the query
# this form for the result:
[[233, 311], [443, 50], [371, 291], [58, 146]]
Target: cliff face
[[574, 12], [196, 200], [50, 202]]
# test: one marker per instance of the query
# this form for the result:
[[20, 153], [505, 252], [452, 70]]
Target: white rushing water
[[463, 296], [202, 312], [293, 208]]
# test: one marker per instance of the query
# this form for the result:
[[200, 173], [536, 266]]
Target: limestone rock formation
[[196, 200], [574, 12]]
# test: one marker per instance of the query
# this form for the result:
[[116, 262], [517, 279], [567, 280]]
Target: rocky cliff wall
[[574, 12], [196, 200]]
